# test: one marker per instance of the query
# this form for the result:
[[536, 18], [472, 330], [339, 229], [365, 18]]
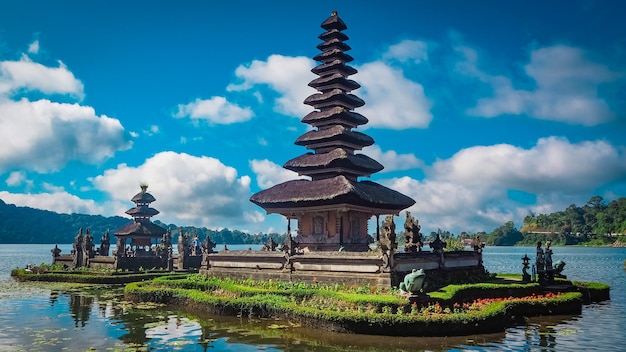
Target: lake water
[[43, 317]]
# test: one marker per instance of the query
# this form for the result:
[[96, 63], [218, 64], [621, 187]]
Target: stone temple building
[[333, 207], [142, 233]]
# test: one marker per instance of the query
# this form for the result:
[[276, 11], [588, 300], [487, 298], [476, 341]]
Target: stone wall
[[350, 268]]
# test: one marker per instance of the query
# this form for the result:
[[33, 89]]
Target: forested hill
[[595, 223], [29, 225]]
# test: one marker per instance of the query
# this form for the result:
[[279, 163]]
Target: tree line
[[30, 225], [595, 223]]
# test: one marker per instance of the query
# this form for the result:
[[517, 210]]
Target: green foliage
[[345, 306], [29, 225], [505, 235], [593, 224]]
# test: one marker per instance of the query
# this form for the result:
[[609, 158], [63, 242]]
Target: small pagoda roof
[[333, 34], [336, 80], [338, 158], [335, 115], [332, 67], [142, 211], [334, 22], [335, 134], [331, 191], [141, 229], [335, 97], [333, 54]]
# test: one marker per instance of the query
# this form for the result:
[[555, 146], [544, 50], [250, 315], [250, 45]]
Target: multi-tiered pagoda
[[334, 206], [142, 232]]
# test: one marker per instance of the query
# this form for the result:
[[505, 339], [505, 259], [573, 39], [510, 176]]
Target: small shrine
[[142, 233], [333, 207]]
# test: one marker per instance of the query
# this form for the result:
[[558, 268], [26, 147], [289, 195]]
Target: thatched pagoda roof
[[331, 191], [141, 229], [337, 133], [335, 115], [337, 158]]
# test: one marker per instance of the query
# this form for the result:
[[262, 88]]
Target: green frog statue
[[413, 282]]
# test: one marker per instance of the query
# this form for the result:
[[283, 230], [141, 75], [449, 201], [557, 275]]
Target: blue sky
[[481, 111]]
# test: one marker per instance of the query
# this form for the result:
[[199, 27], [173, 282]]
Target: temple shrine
[[332, 209], [142, 233]]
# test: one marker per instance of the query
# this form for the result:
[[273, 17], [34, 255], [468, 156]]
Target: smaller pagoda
[[141, 233]]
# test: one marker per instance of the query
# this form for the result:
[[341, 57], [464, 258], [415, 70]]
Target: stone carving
[[388, 235], [56, 251], [77, 249], [540, 264], [270, 245], [208, 245], [438, 245], [105, 244], [413, 238], [413, 282]]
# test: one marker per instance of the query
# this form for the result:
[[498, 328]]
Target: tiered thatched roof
[[334, 167]]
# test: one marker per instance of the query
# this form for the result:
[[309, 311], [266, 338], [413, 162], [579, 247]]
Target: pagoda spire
[[332, 139]]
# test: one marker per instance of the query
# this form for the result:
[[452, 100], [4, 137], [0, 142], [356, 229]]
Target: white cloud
[[391, 160], [16, 178], [554, 163], [32, 76], [189, 190], [469, 191], [33, 48], [392, 100], [289, 76], [44, 135], [216, 110], [566, 88], [414, 51], [269, 174], [60, 202]]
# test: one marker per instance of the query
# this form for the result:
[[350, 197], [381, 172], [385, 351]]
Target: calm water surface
[[44, 317]]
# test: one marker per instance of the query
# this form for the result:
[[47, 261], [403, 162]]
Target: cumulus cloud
[[44, 136], [392, 100], [288, 76], [407, 51], [190, 190], [216, 110], [269, 174], [60, 202], [469, 191], [33, 76], [554, 163], [567, 85], [33, 48], [16, 178], [391, 160]]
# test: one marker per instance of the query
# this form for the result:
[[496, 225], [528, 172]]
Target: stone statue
[[208, 245], [388, 236], [56, 251], [105, 244], [270, 245], [540, 263], [413, 282], [412, 236], [558, 268], [77, 249]]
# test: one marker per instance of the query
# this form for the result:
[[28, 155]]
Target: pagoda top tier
[[333, 166], [142, 210]]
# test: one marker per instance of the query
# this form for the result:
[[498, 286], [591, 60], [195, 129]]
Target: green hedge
[[342, 311]]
